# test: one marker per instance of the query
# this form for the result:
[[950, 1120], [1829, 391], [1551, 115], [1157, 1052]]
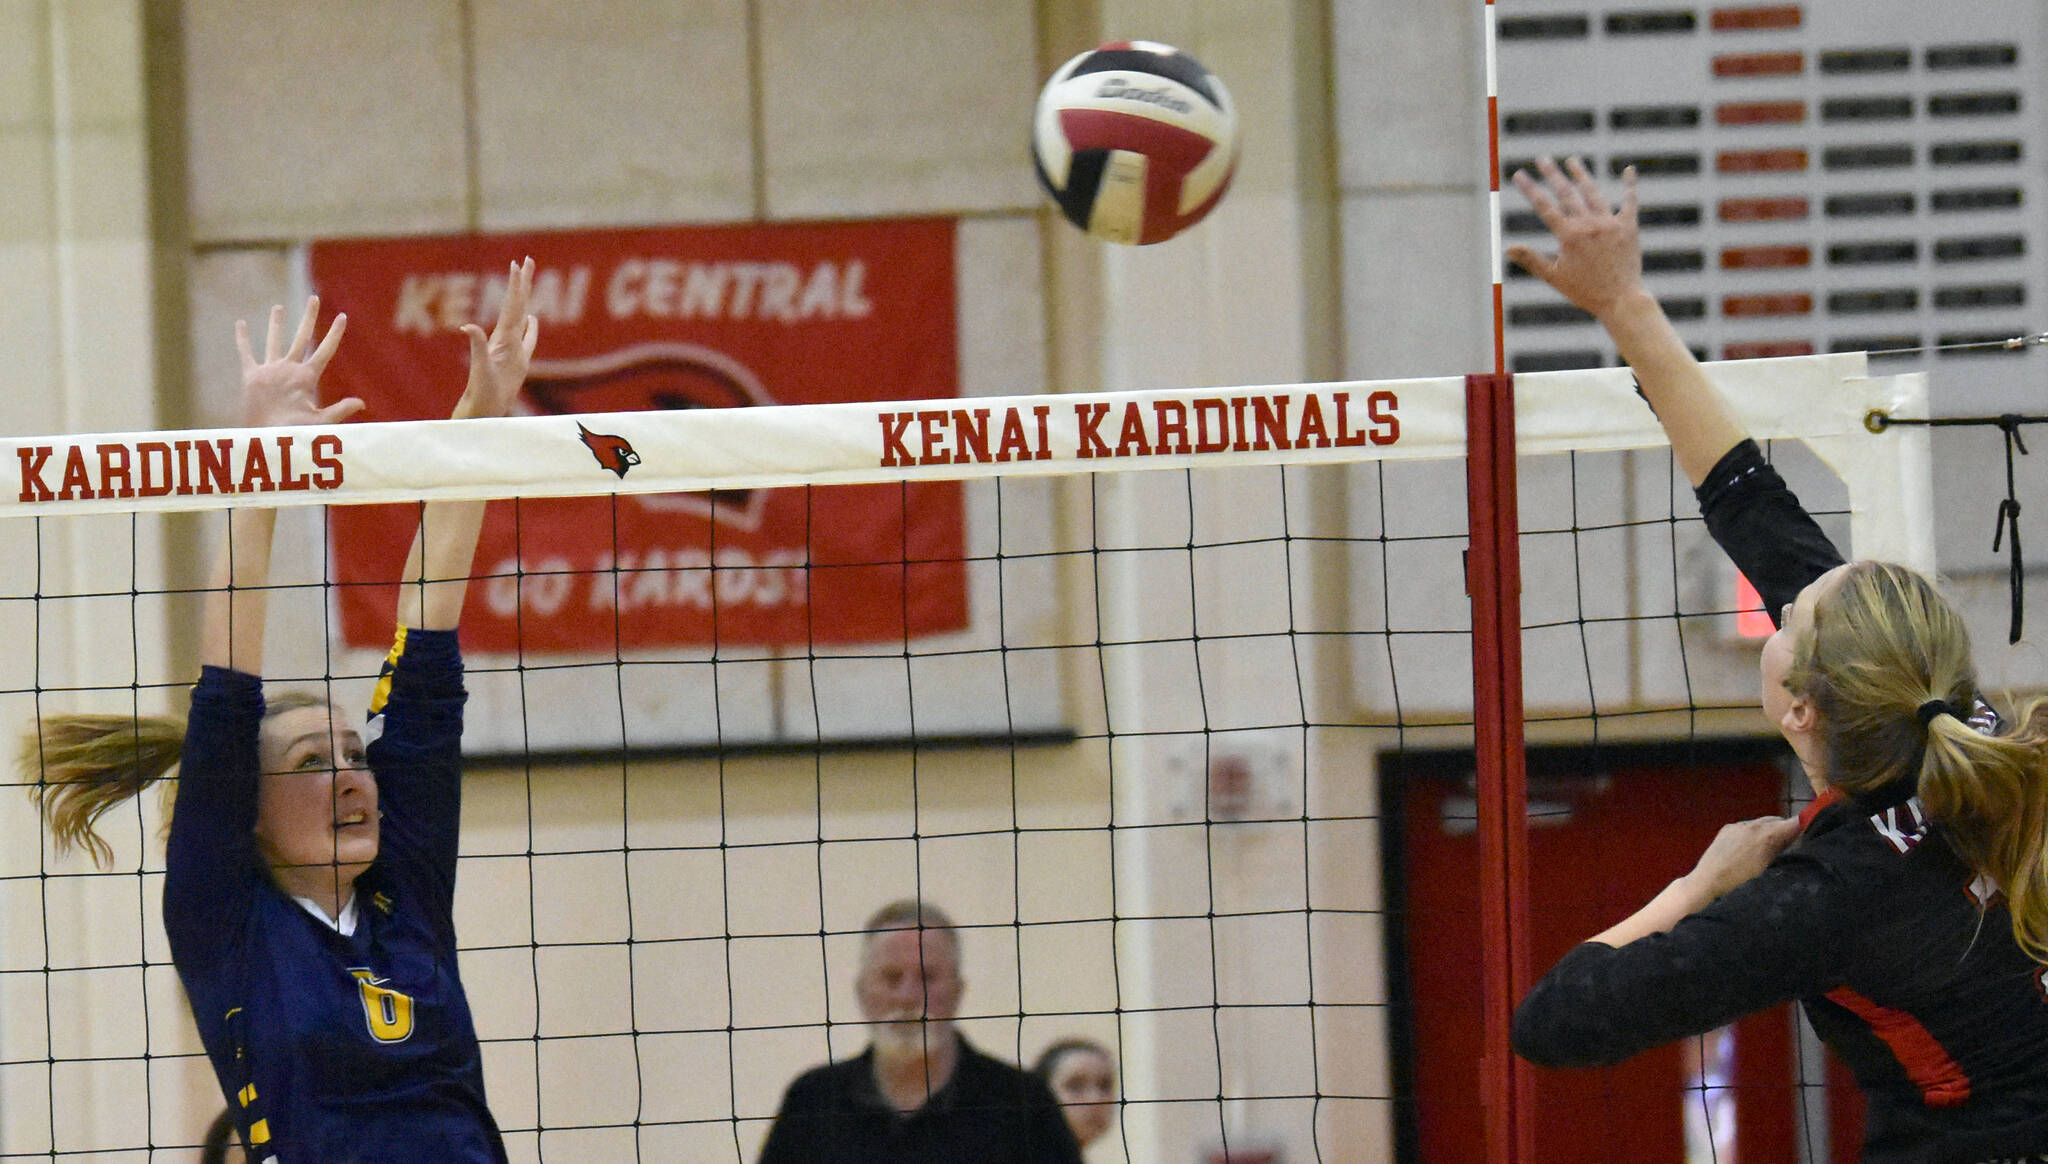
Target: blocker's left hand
[[498, 362]]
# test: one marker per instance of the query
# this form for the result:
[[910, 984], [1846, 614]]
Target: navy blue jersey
[[1902, 957], [333, 1048]]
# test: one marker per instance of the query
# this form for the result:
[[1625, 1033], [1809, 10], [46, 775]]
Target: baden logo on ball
[[1135, 141]]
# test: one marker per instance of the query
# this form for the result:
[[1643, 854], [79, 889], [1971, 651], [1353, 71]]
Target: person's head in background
[[1081, 1074], [910, 982], [221, 1145]]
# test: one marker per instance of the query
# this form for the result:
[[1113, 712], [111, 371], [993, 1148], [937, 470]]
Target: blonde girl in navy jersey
[[310, 868]]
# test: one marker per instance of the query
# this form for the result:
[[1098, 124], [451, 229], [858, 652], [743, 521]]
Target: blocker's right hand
[[1599, 259], [1739, 852], [284, 389]]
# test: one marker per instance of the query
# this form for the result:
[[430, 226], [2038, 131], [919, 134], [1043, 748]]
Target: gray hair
[[909, 913]]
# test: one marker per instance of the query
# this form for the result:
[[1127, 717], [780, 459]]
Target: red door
[[1609, 828]]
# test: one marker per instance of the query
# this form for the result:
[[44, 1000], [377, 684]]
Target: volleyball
[[1135, 141]]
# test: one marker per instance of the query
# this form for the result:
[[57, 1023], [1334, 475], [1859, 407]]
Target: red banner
[[697, 317]]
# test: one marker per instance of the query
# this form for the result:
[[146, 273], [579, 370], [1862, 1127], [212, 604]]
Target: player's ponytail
[[1990, 794], [87, 764], [1887, 665]]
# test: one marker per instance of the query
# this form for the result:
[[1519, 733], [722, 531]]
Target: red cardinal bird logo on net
[[613, 452], [657, 376]]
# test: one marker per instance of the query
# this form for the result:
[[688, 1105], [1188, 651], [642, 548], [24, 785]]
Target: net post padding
[[1493, 579]]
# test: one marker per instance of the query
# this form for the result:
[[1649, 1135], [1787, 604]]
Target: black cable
[[2008, 509], [2009, 517], [1878, 421]]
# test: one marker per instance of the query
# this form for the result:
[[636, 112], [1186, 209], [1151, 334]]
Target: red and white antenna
[[1500, 343]]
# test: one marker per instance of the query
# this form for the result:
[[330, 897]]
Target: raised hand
[[437, 569], [284, 388], [1599, 259], [498, 362], [1599, 267]]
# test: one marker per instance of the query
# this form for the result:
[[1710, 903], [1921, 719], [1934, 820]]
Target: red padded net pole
[[1493, 578]]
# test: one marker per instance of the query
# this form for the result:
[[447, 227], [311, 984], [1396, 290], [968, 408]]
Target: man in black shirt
[[920, 1092]]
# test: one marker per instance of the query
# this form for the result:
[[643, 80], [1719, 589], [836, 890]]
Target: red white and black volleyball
[[1135, 140]]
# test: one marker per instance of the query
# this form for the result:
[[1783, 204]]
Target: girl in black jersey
[[1907, 908]]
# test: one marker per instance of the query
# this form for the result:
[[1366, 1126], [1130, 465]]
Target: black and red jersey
[[1901, 955]]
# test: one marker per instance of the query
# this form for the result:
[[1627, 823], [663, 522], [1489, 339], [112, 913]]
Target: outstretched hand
[[1599, 259], [437, 570], [498, 362], [284, 389]]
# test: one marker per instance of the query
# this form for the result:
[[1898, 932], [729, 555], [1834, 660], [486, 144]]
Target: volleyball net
[[1167, 697]]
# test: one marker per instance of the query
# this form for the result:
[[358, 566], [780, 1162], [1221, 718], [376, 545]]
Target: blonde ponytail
[[87, 764], [1990, 794], [1884, 646]]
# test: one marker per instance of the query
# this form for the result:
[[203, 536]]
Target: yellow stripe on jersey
[[248, 1095], [383, 689], [259, 1132]]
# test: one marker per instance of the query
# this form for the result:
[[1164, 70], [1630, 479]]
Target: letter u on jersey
[[388, 1012]]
